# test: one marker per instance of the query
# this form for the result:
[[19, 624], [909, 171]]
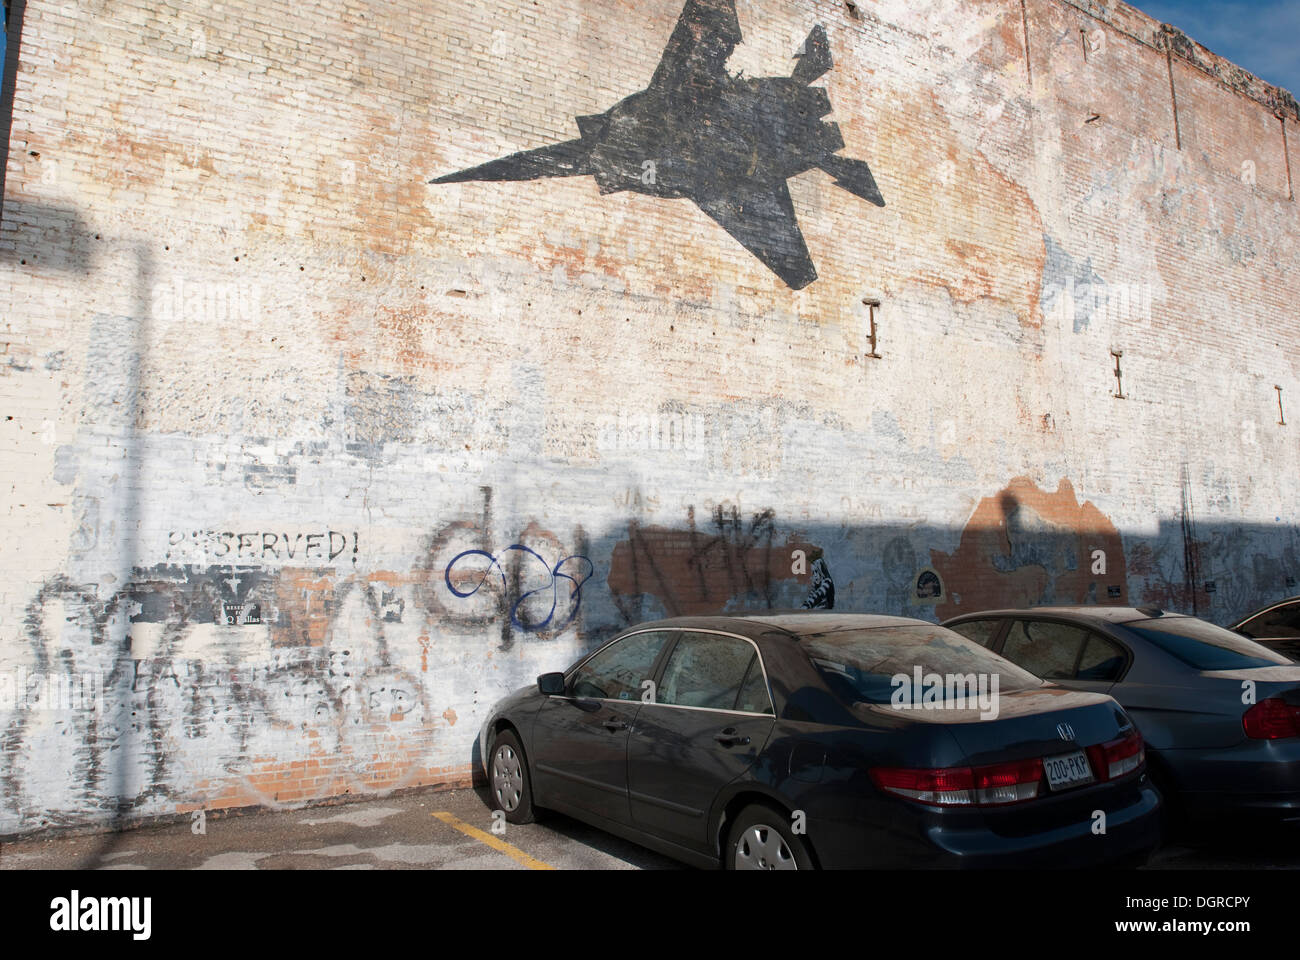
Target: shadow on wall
[[1021, 547], [239, 683], [61, 685], [47, 237], [247, 669]]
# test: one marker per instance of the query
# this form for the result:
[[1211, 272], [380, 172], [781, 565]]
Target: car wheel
[[508, 779], [761, 839]]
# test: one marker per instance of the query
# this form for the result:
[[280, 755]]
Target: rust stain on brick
[[974, 232]]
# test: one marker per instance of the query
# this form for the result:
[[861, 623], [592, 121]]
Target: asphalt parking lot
[[452, 830]]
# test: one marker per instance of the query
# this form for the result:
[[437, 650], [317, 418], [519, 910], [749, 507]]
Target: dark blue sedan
[[824, 740]]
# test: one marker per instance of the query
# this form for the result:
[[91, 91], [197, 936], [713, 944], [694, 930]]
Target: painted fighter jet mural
[[726, 143]]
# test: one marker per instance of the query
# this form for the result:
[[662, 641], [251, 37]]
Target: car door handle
[[614, 725], [730, 738]]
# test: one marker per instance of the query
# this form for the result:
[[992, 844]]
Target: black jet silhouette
[[726, 143]]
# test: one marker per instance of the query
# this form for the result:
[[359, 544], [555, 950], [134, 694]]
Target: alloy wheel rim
[[762, 847], [507, 778]]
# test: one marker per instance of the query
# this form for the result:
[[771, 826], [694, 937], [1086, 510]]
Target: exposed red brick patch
[[697, 572], [1026, 546]]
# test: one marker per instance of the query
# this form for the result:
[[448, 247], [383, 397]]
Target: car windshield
[[861, 665], [1203, 646]]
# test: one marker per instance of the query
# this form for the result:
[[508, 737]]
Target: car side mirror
[[551, 684]]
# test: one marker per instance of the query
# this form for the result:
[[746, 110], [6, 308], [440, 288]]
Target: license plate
[[1068, 770]]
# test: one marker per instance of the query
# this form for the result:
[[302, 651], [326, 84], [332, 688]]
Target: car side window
[[981, 631], [705, 670], [1046, 649], [1284, 622], [754, 696], [617, 672], [1101, 660]]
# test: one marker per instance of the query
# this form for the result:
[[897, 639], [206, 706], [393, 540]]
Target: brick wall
[[311, 460]]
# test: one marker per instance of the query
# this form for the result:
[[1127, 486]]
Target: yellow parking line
[[514, 853]]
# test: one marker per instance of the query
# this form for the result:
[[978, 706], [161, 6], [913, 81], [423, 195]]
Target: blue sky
[[1258, 35]]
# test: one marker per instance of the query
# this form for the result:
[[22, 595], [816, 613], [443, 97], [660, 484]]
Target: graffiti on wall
[[258, 545], [727, 143], [1219, 576], [563, 588], [822, 594], [253, 683], [194, 714], [533, 586], [732, 562]]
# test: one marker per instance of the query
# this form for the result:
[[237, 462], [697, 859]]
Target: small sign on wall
[[928, 587]]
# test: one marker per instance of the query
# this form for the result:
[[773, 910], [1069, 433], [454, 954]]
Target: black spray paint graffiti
[[733, 562], [522, 621], [726, 143], [188, 717]]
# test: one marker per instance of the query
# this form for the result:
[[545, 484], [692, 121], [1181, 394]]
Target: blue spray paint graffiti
[[555, 574]]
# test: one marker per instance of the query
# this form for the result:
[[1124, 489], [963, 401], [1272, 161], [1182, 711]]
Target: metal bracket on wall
[[872, 332]]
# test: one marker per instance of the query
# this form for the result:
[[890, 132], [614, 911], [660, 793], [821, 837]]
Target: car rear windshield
[[860, 665], [1203, 646]]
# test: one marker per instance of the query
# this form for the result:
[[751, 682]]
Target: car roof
[[797, 623], [1086, 612], [1264, 609]]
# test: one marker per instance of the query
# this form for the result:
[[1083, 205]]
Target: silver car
[[1276, 626], [1219, 712]]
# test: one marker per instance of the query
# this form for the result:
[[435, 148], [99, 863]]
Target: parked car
[[779, 742], [1219, 712], [1276, 626]]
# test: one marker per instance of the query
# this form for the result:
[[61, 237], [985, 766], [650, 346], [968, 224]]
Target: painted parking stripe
[[496, 843]]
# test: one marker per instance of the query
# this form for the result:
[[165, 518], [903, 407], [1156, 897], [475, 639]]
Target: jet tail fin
[[854, 176], [815, 59]]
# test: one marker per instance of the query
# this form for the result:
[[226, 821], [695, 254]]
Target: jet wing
[[697, 52], [567, 159], [763, 220], [854, 176]]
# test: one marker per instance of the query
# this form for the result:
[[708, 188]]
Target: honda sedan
[[800, 740]]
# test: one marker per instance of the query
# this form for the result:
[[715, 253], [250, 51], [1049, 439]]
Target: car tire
[[761, 839], [509, 783]]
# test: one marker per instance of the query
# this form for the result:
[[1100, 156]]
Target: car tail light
[[1115, 758], [1271, 719], [986, 786]]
